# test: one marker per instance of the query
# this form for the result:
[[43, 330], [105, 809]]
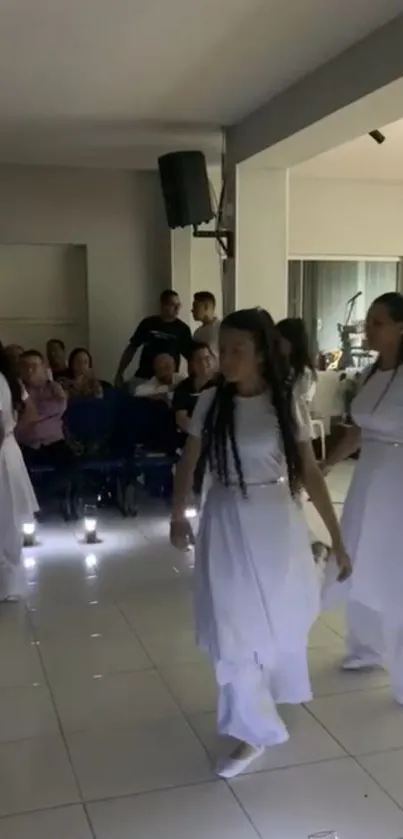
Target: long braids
[[219, 432]]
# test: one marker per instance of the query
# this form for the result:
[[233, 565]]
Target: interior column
[[181, 269], [261, 243]]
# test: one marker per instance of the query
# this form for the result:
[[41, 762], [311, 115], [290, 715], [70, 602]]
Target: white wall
[[119, 217], [196, 262], [205, 260], [345, 218], [43, 293]]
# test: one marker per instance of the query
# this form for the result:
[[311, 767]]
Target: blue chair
[[150, 434], [92, 426]]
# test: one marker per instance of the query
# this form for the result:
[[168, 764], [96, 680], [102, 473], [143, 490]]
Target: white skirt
[[256, 586], [372, 528], [18, 504]]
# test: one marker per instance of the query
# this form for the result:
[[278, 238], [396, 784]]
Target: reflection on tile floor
[[107, 710]]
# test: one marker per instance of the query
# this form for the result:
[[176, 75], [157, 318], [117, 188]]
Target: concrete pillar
[[181, 269], [261, 264]]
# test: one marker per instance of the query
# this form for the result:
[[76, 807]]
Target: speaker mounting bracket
[[225, 239]]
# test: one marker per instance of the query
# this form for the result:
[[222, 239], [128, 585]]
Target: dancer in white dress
[[256, 587], [373, 511], [294, 345], [17, 499]]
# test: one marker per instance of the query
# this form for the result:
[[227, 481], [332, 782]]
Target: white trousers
[[377, 639]]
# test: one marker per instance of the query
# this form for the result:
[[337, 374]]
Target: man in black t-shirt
[[163, 333]]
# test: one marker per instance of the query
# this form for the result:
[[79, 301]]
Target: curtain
[[337, 282], [379, 278]]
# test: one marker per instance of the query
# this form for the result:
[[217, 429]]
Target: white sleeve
[[145, 389], [302, 419], [200, 412]]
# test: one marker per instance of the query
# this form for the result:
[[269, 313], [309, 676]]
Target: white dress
[[17, 501], [304, 392], [256, 588], [372, 526]]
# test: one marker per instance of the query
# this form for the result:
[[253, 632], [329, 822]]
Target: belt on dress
[[274, 482]]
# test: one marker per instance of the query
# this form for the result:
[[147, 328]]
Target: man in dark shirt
[[202, 376], [163, 333]]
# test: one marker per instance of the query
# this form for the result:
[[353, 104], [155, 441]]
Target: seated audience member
[[202, 375], [203, 310], [26, 411], [42, 440], [163, 382], [57, 359], [81, 381]]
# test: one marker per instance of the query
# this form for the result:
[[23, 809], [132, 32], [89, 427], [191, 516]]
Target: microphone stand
[[346, 359]]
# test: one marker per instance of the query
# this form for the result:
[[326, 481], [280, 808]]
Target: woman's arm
[[28, 414], [317, 490], [181, 531], [2, 433], [347, 446], [183, 482]]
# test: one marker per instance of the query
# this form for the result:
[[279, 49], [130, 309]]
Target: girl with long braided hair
[[373, 510], [256, 587]]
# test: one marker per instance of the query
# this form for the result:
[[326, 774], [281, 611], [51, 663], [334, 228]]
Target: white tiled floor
[[107, 711]]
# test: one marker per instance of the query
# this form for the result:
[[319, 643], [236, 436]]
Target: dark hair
[[73, 355], [219, 425], [196, 346], [294, 331], [393, 302], [7, 369], [57, 341], [166, 295], [205, 297], [35, 353]]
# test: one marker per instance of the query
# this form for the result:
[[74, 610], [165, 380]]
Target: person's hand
[[343, 563], [181, 534]]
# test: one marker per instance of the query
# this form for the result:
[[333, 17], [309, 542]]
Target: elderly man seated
[[163, 382]]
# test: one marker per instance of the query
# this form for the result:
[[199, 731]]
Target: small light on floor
[[90, 530], [191, 513], [91, 561], [29, 562], [28, 532]]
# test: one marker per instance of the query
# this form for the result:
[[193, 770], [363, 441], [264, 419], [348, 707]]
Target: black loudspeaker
[[186, 188]]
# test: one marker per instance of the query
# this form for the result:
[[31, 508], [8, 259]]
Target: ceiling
[[96, 82], [362, 159]]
